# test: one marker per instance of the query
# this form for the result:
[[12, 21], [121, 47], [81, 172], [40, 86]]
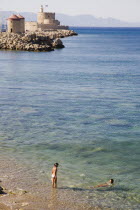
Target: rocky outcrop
[[57, 43], [38, 41]]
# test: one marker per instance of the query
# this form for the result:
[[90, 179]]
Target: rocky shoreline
[[37, 41]]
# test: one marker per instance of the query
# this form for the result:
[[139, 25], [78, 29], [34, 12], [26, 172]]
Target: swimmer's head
[[56, 164], [111, 181]]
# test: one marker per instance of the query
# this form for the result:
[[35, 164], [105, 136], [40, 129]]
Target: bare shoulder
[[54, 169]]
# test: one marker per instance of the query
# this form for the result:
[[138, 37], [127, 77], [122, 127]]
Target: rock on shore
[[37, 41], [1, 190]]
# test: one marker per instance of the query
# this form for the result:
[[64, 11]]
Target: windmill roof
[[20, 16], [13, 17]]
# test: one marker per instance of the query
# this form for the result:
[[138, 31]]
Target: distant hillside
[[79, 20], [30, 16], [90, 20]]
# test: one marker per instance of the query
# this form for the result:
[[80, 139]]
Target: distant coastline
[[99, 27], [77, 21]]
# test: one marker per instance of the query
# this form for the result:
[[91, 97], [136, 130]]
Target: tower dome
[[13, 17], [20, 16]]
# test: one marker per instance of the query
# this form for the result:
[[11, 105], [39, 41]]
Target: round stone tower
[[22, 23], [16, 24], [41, 16], [13, 23]]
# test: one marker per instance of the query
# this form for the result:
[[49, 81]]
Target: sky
[[126, 10]]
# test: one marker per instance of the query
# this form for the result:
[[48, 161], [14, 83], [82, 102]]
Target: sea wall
[[36, 41]]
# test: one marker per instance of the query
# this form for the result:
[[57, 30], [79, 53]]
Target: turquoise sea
[[78, 106]]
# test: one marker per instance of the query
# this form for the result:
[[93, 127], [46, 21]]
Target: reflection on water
[[79, 107]]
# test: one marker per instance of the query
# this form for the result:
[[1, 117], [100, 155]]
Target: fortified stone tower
[[41, 16], [45, 21], [13, 23], [16, 24], [46, 18]]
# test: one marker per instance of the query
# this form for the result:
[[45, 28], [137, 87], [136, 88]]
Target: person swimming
[[54, 175], [107, 184]]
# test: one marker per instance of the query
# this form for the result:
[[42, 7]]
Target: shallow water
[[78, 106]]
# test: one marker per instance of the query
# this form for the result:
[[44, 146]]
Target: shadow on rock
[[1, 191]]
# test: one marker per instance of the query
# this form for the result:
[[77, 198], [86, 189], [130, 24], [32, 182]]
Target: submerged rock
[[57, 43], [17, 192]]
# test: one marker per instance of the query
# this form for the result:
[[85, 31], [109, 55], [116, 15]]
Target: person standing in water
[[54, 175]]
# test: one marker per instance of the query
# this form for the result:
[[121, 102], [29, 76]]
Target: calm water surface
[[79, 106]]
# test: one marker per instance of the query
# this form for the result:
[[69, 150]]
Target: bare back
[[54, 171]]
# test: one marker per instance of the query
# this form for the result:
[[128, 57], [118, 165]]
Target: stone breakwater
[[37, 41]]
